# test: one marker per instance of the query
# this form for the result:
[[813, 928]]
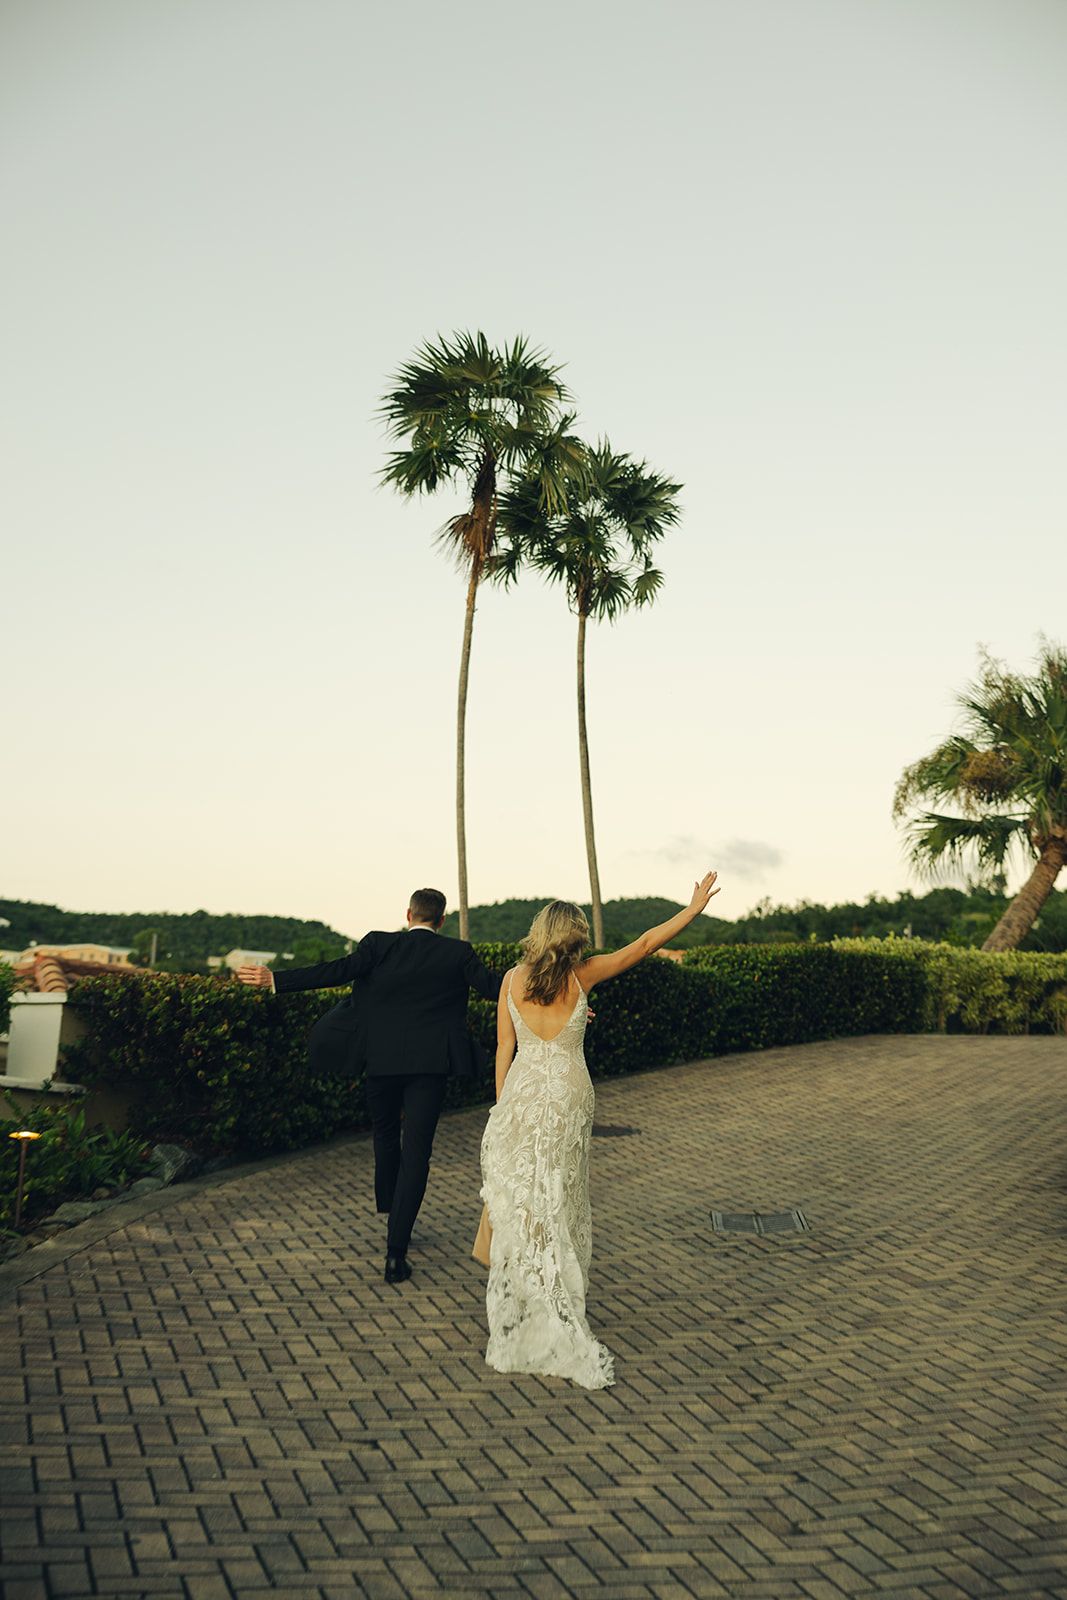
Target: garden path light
[[24, 1136]]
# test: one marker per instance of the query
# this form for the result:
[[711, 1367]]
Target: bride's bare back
[[544, 1021]]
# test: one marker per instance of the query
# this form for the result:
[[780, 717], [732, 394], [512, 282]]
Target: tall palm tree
[[599, 547], [1006, 772], [472, 415]]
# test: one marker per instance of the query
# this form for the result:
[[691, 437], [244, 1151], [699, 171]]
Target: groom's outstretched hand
[[703, 891], [257, 977]]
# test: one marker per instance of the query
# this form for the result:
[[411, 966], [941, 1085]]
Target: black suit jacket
[[408, 1007]]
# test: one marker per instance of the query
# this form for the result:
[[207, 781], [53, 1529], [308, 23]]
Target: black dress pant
[[404, 1109]]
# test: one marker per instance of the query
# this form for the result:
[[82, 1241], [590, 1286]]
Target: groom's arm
[[328, 974], [480, 979]]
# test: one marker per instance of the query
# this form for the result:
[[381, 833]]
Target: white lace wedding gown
[[535, 1184]]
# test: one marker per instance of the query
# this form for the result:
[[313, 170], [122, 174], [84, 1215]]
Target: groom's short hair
[[427, 905]]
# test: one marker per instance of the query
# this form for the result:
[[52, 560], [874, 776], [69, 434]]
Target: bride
[[535, 1151]]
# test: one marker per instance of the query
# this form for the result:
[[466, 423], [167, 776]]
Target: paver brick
[[223, 1398]]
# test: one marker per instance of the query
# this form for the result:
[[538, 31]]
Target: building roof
[[50, 947], [51, 974]]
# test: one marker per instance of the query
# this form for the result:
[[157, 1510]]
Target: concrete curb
[[53, 1252]]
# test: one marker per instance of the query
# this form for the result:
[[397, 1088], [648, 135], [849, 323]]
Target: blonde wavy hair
[[557, 941]]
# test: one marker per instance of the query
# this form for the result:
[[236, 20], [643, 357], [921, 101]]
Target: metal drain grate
[[759, 1223], [604, 1130]]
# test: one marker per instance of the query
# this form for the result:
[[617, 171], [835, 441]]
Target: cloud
[[747, 859]]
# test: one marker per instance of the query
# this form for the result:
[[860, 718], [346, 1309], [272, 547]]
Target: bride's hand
[[703, 891]]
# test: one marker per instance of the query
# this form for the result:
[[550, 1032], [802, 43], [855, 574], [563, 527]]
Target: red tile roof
[[49, 974]]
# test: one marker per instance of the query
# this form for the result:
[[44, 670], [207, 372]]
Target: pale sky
[[805, 256]]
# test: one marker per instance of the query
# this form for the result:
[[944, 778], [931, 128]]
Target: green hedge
[[739, 997], [223, 1067], [211, 1064], [764, 995], [977, 991]]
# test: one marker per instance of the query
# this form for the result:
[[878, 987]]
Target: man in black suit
[[406, 1025]]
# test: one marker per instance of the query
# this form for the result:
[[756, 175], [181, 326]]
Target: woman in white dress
[[535, 1151]]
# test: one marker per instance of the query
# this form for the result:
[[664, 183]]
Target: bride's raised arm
[[597, 968]]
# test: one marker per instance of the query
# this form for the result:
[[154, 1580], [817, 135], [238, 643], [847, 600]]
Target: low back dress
[[535, 1184]]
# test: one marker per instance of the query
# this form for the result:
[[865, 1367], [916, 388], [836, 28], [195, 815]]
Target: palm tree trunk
[[474, 534], [1021, 915], [461, 742], [587, 794]]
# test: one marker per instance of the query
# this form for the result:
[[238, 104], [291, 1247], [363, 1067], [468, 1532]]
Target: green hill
[[184, 940], [508, 920], [960, 916]]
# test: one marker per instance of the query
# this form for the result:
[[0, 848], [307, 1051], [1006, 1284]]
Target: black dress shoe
[[396, 1268]]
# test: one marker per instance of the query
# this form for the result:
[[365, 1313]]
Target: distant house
[[104, 955], [249, 958]]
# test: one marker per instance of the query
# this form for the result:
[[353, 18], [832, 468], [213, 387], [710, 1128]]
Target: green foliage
[[222, 1067], [481, 1019], [68, 1161], [763, 995], [943, 913], [723, 1000], [211, 1064], [310, 952], [977, 991], [962, 917], [191, 937], [624, 920], [462, 406], [598, 543], [7, 985], [1005, 772], [504, 922], [141, 954]]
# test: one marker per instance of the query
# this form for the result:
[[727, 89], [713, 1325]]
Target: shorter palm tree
[[1006, 774], [599, 548]]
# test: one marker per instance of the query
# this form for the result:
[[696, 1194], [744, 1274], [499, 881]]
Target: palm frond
[[522, 512], [646, 586], [553, 461], [425, 467], [587, 520], [1006, 770], [462, 390], [505, 562], [608, 594], [935, 841]]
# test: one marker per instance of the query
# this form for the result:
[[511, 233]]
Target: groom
[[406, 1025]]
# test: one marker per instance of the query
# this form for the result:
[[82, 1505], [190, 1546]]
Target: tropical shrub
[[211, 1064], [67, 1162], [7, 986], [981, 991], [221, 1067], [763, 995], [740, 998], [1005, 776]]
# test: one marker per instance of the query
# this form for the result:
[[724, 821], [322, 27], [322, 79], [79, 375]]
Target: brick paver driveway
[[222, 1397]]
